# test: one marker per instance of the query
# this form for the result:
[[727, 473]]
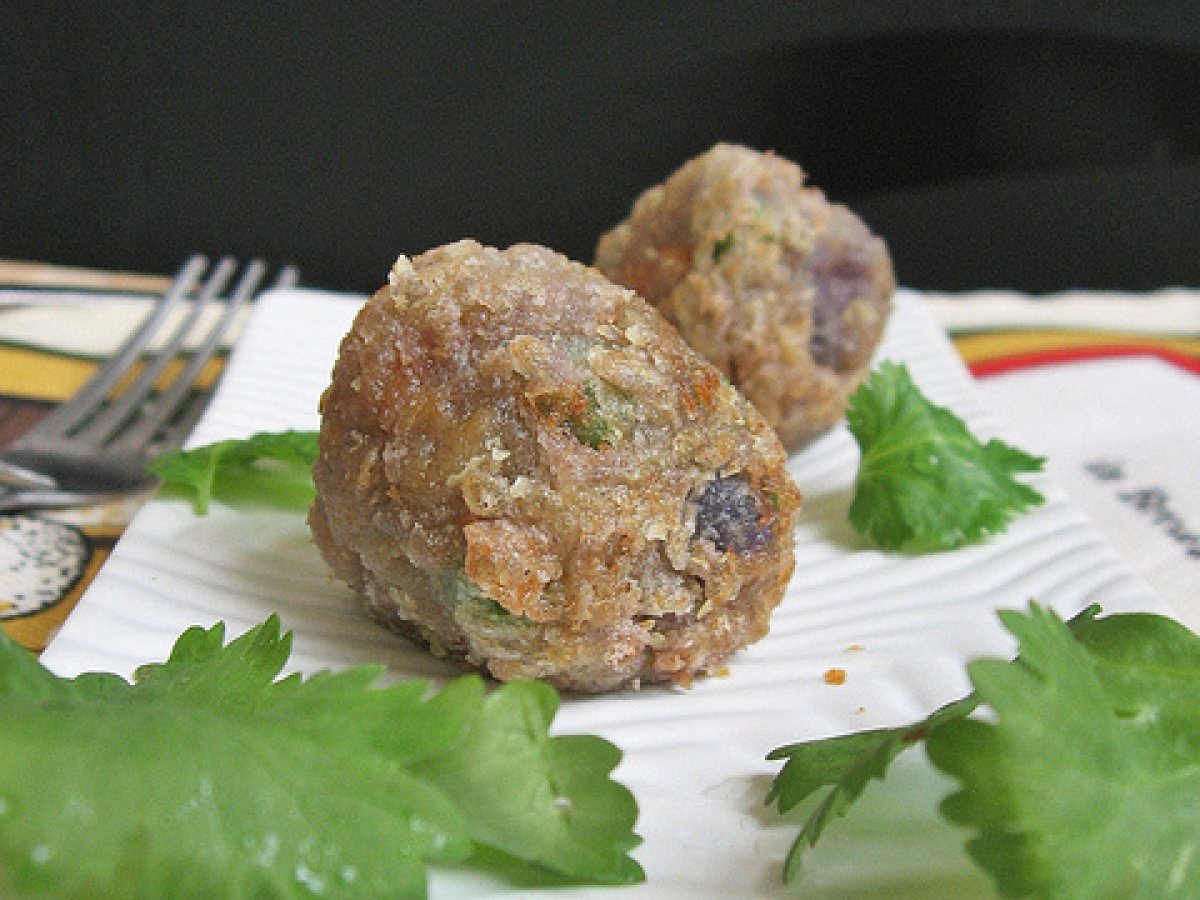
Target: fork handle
[[19, 499], [22, 469], [14, 476]]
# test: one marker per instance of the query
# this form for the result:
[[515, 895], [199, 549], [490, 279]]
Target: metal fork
[[96, 445]]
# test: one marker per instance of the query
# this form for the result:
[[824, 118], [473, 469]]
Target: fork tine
[[176, 429], [168, 403], [288, 276], [69, 461], [67, 416], [108, 422]]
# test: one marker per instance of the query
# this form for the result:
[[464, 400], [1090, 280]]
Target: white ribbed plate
[[900, 627]]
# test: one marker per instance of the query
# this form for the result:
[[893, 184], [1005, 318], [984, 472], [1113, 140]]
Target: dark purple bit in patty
[[727, 514], [842, 274]]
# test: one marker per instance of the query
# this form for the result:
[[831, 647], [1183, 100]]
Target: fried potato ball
[[784, 292], [523, 466]]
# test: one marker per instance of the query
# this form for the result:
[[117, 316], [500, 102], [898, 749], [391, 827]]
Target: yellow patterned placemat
[[47, 558]]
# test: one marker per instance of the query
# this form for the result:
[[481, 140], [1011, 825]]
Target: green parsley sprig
[[925, 482], [1083, 780], [209, 776], [268, 468]]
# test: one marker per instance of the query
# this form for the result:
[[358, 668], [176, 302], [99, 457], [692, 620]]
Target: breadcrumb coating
[[784, 292], [523, 466]]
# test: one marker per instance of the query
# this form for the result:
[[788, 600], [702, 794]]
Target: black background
[[1036, 146]]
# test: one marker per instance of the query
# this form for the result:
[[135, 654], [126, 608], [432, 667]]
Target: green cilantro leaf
[[924, 482], [210, 776], [1085, 782], [1082, 780], [546, 800], [272, 468], [846, 764]]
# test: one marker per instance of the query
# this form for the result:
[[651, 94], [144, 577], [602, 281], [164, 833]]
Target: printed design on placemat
[[41, 560], [1153, 501]]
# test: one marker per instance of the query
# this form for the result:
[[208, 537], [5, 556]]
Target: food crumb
[[835, 676], [855, 648]]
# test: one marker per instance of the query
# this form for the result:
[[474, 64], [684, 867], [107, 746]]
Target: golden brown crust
[[782, 291], [514, 452]]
